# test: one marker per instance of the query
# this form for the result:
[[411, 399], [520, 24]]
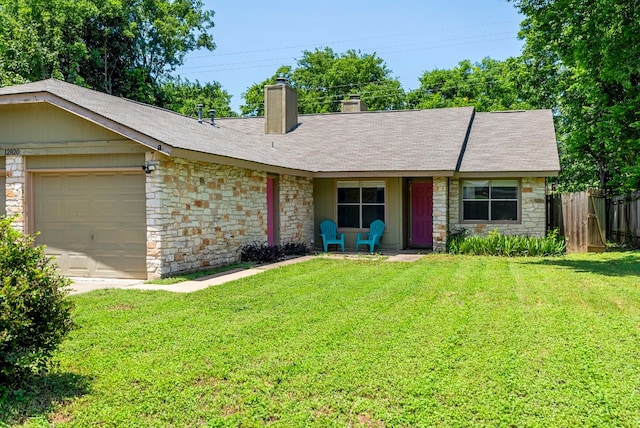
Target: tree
[[489, 85], [323, 78], [588, 53], [120, 47], [183, 97]]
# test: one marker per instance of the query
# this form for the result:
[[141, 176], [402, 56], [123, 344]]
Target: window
[[360, 203], [490, 200]]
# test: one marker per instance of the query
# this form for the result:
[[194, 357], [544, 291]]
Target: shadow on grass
[[38, 397], [628, 265]]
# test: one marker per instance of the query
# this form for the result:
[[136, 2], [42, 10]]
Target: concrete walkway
[[84, 285]]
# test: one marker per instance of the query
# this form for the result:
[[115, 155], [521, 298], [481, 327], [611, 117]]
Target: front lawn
[[445, 341]]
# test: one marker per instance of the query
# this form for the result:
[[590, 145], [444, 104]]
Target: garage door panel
[[93, 222], [119, 238], [78, 262], [129, 210], [75, 209], [131, 236], [63, 235]]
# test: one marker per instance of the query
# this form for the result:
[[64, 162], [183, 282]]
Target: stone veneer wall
[[440, 214], [14, 189], [533, 210], [296, 209], [199, 214]]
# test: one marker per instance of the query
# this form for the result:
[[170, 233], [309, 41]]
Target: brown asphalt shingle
[[404, 140], [511, 141]]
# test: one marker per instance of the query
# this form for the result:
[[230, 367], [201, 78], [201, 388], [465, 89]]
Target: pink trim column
[[271, 211]]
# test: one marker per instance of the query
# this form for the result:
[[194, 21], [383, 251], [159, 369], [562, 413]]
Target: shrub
[[34, 314], [295, 249], [496, 244], [261, 252]]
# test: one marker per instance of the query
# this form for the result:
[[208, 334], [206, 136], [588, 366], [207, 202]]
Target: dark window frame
[[362, 223], [487, 197]]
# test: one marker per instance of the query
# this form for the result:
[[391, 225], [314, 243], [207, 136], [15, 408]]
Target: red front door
[[421, 213]]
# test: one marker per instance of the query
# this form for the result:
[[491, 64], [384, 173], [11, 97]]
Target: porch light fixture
[[149, 167]]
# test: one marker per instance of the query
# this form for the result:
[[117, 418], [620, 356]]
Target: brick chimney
[[280, 107], [353, 104]]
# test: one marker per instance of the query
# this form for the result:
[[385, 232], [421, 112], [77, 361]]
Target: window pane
[[504, 210], [373, 195], [348, 195], [371, 213], [475, 193], [348, 216], [476, 210], [504, 192]]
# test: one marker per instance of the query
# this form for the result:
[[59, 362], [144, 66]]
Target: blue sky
[[255, 37]]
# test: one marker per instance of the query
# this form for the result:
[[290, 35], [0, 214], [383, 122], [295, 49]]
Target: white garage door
[[92, 222]]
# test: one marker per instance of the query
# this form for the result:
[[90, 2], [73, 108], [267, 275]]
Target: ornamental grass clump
[[496, 244], [35, 316]]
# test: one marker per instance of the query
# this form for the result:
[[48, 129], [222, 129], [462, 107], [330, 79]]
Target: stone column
[[155, 219], [15, 185], [440, 213]]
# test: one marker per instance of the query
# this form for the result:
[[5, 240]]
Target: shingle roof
[[388, 141], [165, 126], [512, 141], [404, 140]]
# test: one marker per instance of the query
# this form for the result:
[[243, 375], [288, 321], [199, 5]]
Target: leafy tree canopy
[[183, 96], [489, 85], [122, 47], [588, 55], [323, 78]]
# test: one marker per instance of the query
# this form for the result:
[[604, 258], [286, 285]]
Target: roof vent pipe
[[212, 115], [199, 113]]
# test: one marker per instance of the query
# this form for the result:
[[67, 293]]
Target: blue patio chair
[[330, 235], [373, 237]]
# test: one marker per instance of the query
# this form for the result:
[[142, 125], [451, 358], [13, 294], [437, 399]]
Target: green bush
[[34, 314], [496, 244]]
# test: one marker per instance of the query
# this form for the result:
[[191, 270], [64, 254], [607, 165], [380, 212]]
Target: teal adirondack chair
[[330, 235], [373, 237]]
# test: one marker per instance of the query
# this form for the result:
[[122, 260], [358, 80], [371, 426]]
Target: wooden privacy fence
[[624, 219], [581, 218]]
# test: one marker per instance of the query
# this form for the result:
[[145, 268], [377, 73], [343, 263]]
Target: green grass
[[445, 341], [175, 279]]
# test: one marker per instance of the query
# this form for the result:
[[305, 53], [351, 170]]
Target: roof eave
[[383, 173], [87, 114], [195, 155], [510, 174]]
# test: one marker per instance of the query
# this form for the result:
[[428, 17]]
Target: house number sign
[[11, 152]]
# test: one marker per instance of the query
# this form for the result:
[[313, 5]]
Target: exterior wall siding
[[296, 209], [532, 211], [199, 214], [325, 208]]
